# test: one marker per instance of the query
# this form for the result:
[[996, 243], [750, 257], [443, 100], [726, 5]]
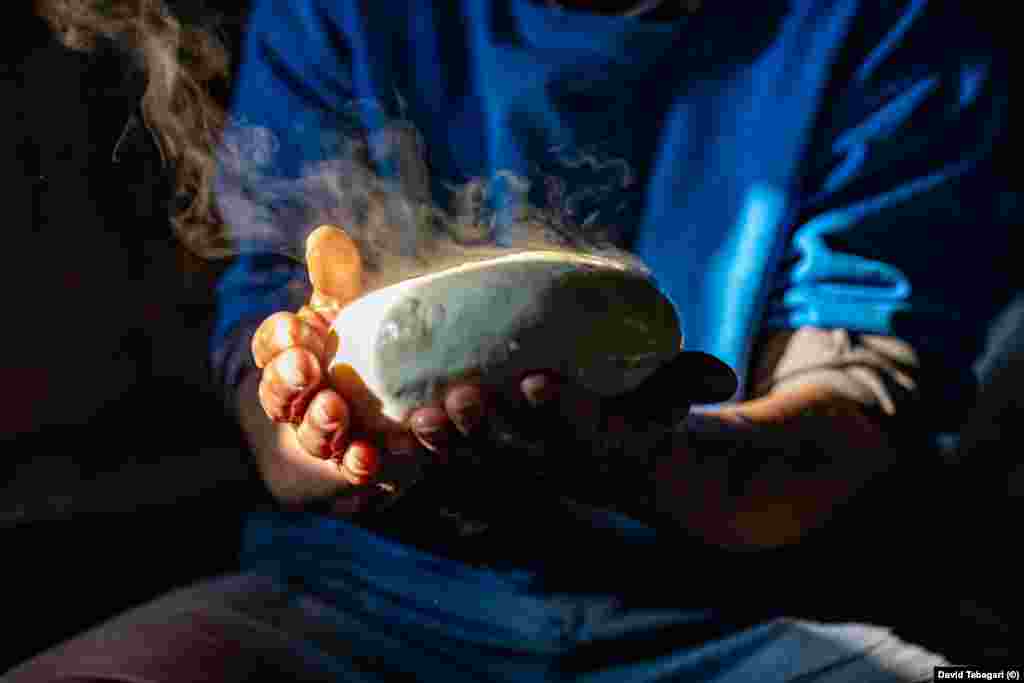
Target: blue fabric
[[392, 610], [818, 162]]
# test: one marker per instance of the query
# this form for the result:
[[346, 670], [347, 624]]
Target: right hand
[[313, 450]]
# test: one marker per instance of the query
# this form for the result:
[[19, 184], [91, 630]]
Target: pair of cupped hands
[[321, 443]]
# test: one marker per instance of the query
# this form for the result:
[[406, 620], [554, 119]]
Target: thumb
[[335, 269], [696, 377], [691, 377]]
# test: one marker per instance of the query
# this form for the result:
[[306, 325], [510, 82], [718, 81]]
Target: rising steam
[[377, 187]]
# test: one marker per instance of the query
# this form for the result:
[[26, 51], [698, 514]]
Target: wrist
[[762, 474], [812, 411]]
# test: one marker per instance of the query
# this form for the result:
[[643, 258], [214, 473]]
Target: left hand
[[748, 475], [764, 473], [598, 451]]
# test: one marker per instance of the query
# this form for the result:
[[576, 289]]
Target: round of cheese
[[597, 322]]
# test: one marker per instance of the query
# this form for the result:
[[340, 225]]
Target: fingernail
[[468, 417], [361, 459], [539, 390], [326, 417], [436, 437], [293, 374], [427, 420]]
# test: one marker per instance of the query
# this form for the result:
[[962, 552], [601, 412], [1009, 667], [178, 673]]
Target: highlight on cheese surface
[[598, 322]]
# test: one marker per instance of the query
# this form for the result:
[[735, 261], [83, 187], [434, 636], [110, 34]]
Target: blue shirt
[[818, 162], [824, 163]]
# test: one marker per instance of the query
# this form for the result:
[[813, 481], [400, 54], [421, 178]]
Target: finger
[[541, 388], [360, 462], [324, 429], [402, 463], [335, 269], [433, 429], [465, 404], [316, 319], [691, 377], [288, 384], [283, 331], [532, 412]]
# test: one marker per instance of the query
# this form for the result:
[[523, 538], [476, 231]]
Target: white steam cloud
[[377, 187]]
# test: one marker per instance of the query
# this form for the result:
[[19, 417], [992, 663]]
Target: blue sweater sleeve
[[904, 227], [294, 86]]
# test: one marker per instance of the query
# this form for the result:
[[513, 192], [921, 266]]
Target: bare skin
[[311, 450], [763, 473], [317, 451]]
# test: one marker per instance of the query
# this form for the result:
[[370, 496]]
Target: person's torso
[[686, 141], [700, 144]]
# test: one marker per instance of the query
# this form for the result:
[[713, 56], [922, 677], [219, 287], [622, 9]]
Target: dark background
[[146, 492], [123, 481]]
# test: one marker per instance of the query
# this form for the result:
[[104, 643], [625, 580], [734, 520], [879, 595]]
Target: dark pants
[[351, 606]]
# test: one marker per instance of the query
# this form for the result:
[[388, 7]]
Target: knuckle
[[268, 401], [287, 332], [294, 370], [329, 410], [267, 341], [305, 335], [273, 326], [274, 386], [463, 393], [275, 412], [465, 409], [279, 319], [314, 442], [322, 449], [315, 319], [310, 424]]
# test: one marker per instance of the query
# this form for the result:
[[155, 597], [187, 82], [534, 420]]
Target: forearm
[[764, 472], [818, 411]]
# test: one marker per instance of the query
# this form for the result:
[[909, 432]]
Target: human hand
[[319, 449], [764, 473], [619, 440]]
